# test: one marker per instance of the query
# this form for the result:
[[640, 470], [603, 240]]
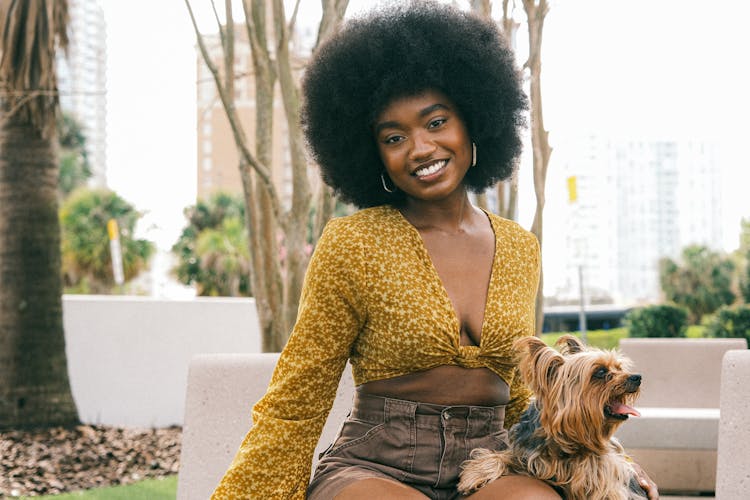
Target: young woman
[[406, 110]]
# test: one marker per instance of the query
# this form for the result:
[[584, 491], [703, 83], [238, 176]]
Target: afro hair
[[400, 51]]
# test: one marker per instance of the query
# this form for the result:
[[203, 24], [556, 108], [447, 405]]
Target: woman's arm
[[275, 457]]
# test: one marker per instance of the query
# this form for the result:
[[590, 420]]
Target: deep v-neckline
[[421, 248]]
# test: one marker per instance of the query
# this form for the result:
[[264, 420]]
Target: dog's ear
[[538, 363], [568, 344]]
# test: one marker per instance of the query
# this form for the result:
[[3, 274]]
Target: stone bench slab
[[671, 428]]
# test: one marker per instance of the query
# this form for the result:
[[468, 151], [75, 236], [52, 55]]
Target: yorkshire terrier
[[565, 437]]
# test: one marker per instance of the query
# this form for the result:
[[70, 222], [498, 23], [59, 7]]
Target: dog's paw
[[484, 467]]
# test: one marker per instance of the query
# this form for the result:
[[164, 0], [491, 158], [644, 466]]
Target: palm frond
[[32, 31]]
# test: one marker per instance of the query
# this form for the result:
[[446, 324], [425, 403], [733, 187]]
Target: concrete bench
[[732, 477], [677, 444], [221, 390], [676, 438]]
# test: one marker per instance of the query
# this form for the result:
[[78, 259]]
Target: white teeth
[[422, 172]]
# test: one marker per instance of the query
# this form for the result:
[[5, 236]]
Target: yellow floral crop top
[[372, 296]]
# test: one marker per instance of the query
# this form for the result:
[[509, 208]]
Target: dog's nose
[[635, 380]]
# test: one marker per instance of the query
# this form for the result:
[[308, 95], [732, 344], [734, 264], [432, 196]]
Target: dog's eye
[[600, 373]]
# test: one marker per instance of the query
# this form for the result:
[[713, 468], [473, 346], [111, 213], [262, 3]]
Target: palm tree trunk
[[34, 385]]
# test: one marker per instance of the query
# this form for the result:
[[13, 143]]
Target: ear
[[568, 344], [538, 363]]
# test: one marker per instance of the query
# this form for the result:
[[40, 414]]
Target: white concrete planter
[[128, 356]]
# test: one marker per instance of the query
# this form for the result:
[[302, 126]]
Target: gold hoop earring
[[385, 186], [473, 154]]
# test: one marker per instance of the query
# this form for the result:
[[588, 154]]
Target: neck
[[451, 215]]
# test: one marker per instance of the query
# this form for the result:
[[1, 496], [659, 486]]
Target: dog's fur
[[565, 437]]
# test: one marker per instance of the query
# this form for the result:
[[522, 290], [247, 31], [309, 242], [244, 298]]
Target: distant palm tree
[[34, 384], [86, 254], [212, 251]]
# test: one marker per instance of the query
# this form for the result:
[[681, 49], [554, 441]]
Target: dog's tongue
[[623, 409]]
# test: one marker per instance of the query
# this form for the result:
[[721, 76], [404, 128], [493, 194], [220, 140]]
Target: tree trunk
[[506, 191], [325, 204], [295, 238], [507, 198], [536, 10], [34, 384], [277, 234]]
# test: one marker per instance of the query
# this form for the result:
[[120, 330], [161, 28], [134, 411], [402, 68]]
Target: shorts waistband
[[369, 408]]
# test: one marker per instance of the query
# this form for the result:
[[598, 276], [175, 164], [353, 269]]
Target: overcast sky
[[653, 69]]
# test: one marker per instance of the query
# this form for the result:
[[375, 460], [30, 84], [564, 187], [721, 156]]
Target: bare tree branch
[[263, 171], [219, 24], [229, 51], [333, 13], [293, 21]]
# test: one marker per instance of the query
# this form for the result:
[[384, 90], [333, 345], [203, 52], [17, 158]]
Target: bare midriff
[[446, 385]]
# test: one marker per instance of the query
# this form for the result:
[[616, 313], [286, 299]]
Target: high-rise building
[[82, 81], [699, 195], [647, 214], [638, 201]]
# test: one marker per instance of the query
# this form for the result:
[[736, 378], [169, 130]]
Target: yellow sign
[[572, 189], [115, 251], [113, 230]]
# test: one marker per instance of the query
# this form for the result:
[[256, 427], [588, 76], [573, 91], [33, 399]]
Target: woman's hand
[[646, 483]]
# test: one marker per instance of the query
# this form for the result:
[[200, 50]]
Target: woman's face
[[424, 145]]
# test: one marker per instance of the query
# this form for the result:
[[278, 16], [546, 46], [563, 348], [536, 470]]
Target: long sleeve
[[274, 459]]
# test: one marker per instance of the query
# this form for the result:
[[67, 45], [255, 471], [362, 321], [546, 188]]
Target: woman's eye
[[393, 139], [436, 122]]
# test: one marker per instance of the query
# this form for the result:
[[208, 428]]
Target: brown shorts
[[420, 445]]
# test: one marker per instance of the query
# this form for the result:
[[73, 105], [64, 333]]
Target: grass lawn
[[148, 489]]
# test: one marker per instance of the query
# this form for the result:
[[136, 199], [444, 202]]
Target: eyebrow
[[422, 113]]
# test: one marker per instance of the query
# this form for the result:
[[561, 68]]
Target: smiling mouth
[[430, 169]]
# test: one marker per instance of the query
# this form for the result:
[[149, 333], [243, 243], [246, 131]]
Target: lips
[[429, 168]]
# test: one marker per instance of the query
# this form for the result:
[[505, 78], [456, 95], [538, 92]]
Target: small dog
[[565, 437]]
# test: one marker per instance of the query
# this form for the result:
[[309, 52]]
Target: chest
[[463, 264]]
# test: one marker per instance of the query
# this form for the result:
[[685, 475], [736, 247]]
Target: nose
[[422, 146], [635, 380]]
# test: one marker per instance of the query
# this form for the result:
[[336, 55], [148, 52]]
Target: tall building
[[638, 201], [648, 217], [82, 81], [699, 192]]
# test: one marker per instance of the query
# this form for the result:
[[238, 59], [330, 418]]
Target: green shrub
[[664, 320], [730, 322], [695, 332], [603, 339]]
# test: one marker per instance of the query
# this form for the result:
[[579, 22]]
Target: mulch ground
[[57, 460]]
